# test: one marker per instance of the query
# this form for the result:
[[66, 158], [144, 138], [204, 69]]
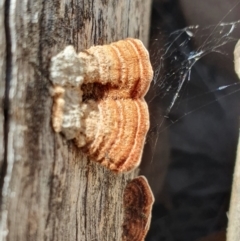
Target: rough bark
[[49, 190]]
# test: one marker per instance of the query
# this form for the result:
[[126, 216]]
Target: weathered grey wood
[[2, 79], [50, 191], [233, 231]]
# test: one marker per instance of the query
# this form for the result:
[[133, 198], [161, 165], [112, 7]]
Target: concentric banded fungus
[[138, 200], [98, 101]]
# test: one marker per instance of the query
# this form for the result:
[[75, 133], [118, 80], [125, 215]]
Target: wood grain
[[49, 190], [2, 81]]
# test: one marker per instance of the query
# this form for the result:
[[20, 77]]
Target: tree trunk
[[49, 189], [233, 231]]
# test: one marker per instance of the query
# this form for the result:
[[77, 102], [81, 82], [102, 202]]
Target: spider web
[[180, 57]]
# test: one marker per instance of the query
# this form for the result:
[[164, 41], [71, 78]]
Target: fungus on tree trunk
[[99, 101], [138, 200]]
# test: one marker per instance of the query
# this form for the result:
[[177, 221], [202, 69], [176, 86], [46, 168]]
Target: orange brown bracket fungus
[[137, 200], [98, 100]]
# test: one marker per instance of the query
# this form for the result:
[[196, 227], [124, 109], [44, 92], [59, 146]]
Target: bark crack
[[6, 102]]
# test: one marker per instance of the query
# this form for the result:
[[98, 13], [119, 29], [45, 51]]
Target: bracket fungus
[[138, 200], [98, 100]]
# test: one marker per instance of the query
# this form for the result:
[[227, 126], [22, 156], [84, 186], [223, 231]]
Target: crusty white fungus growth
[[67, 69], [98, 100], [67, 77]]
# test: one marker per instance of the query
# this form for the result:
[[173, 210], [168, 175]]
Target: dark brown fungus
[[137, 200]]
